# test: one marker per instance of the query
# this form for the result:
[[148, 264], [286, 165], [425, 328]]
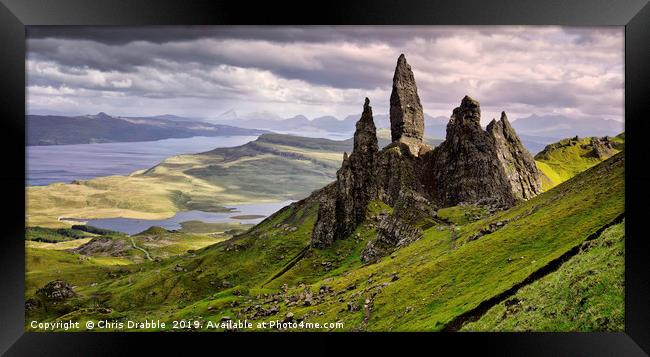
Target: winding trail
[[142, 249]]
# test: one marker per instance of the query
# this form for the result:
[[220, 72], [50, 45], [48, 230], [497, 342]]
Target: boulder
[[57, 290]]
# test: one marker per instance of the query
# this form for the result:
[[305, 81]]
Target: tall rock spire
[[365, 136], [345, 204], [482, 166], [406, 114]]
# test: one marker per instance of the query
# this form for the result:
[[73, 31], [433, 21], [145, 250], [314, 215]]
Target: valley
[[387, 231]]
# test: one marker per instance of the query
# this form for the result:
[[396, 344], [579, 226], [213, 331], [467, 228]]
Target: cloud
[[324, 70]]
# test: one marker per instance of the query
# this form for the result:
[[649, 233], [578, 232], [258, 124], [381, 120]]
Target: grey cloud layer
[[324, 70]]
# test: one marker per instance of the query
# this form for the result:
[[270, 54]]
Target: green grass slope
[[584, 294], [269, 271], [442, 277], [566, 158]]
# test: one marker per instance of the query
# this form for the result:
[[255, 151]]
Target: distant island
[[104, 128]]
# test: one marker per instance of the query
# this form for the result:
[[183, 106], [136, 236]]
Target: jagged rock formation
[[517, 163], [602, 148], [481, 166], [465, 167], [473, 166], [406, 114], [345, 207], [399, 228]]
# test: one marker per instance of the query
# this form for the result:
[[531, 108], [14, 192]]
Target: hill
[[579, 296], [559, 126], [103, 128], [564, 159], [275, 167], [272, 168], [423, 286], [407, 238], [435, 126]]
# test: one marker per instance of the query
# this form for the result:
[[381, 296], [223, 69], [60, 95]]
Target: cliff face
[[481, 166], [472, 166]]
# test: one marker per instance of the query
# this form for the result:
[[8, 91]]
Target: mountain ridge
[[103, 128]]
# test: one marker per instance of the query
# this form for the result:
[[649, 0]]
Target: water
[[318, 134], [133, 226], [64, 163]]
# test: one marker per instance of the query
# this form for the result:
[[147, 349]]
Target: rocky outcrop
[[399, 228], [344, 207], [324, 232], [472, 166], [477, 166], [104, 246], [397, 171], [517, 163], [57, 290], [602, 148], [53, 297], [356, 178], [406, 114], [465, 167]]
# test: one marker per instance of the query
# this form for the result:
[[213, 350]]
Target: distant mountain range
[[434, 126], [103, 128], [535, 131], [558, 126]]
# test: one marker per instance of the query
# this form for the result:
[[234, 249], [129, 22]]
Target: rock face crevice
[[472, 166]]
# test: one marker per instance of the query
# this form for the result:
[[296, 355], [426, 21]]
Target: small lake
[[133, 226], [64, 163]]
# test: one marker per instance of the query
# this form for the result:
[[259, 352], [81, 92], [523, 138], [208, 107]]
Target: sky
[[204, 71]]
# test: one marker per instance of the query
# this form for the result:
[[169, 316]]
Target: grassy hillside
[[274, 167], [584, 294], [270, 271], [566, 158]]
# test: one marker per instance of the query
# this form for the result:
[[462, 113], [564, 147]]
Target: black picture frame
[[633, 14]]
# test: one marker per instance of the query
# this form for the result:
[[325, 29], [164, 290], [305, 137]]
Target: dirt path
[[142, 249]]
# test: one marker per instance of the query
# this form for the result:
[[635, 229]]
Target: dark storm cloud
[[326, 69], [163, 34], [322, 70]]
